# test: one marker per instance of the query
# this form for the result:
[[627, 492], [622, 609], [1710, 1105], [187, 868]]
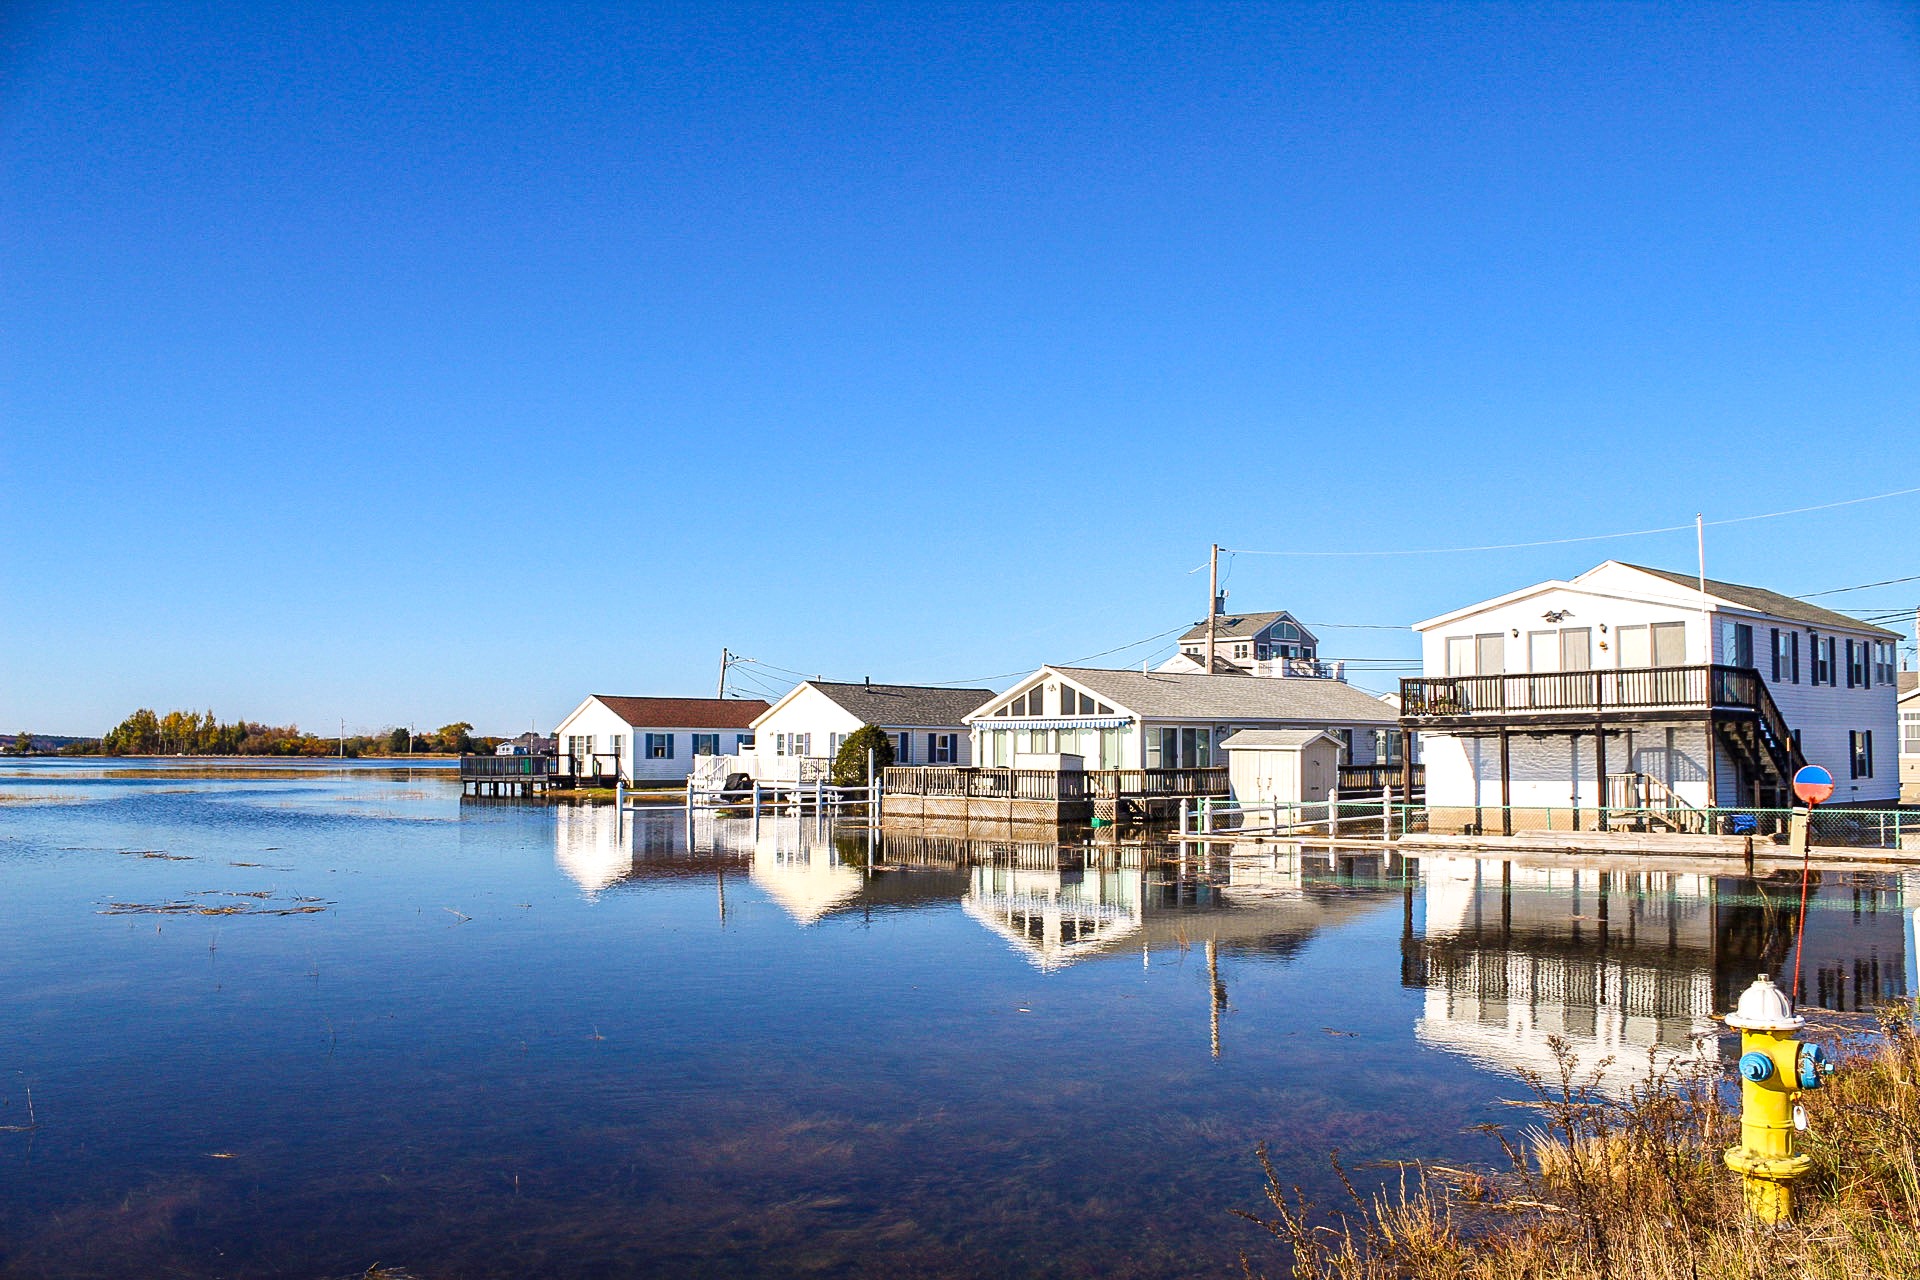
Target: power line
[[1862, 587], [1008, 675], [1593, 537]]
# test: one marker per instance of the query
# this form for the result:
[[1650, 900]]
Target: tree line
[[196, 733]]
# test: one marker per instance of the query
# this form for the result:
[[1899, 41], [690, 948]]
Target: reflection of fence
[[1066, 785], [1838, 827]]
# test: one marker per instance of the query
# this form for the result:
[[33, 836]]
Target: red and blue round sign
[[1812, 784]]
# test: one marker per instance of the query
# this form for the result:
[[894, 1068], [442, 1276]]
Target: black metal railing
[[508, 766]]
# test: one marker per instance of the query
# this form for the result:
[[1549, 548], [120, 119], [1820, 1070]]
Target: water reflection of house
[[1631, 964], [1067, 910]]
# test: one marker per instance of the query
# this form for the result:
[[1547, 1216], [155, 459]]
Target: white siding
[[595, 719], [1824, 715]]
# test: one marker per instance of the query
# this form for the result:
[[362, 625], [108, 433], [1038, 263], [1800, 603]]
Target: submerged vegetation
[[1636, 1187]]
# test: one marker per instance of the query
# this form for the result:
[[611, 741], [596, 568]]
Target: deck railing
[[1649, 688], [508, 766], [1379, 777]]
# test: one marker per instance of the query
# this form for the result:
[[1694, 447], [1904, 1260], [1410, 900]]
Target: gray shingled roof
[[904, 705], [1242, 626], [1180, 695], [1269, 738], [1906, 683], [1768, 602]]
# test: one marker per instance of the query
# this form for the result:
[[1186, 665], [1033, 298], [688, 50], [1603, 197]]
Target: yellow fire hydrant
[[1774, 1068]]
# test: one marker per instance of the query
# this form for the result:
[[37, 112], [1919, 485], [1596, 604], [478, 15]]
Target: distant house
[[1680, 701], [1254, 644], [652, 739], [816, 716], [1909, 695], [525, 744], [1168, 719]]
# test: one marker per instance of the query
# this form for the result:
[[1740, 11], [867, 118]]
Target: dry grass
[[1599, 1188]]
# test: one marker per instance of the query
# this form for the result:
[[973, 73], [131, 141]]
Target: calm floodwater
[[514, 1040]]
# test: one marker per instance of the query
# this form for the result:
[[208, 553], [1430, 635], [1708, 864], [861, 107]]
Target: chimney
[[869, 682]]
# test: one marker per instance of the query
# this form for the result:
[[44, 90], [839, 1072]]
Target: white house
[[1254, 644], [1292, 766], [799, 736], [1680, 699], [1167, 719], [652, 739]]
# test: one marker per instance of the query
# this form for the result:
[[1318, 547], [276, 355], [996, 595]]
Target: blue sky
[[397, 363]]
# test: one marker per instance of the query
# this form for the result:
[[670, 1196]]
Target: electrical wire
[[1862, 587], [1593, 537]]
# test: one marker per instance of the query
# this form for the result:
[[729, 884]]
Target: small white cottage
[[799, 736], [652, 739]]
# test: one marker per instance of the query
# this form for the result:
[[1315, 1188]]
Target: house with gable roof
[[1628, 694], [799, 736], [1254, 644], [651, 739], [1125, 719]]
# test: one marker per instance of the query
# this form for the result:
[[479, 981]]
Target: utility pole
[[1213, 601], [726, 658]]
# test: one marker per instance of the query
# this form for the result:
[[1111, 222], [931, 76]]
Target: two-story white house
[[652, 739], [1629, 688], [1125, 719], [799, 736]]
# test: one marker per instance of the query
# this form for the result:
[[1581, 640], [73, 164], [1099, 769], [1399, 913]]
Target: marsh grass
[[1635, 1186]]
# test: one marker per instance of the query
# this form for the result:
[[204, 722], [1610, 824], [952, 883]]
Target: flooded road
[[299, 1021]]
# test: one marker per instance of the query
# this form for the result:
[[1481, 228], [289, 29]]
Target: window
[[1459, 655], [1736, 644], [1242, 651], [1576, 649], [1636, 646], [1910, 732], [903, 747], [742, 742], [1786, 656], [946, 748], [1543, 652], [1860, 749], [1823, 665], [659, 746], [1669, 644], [1883, 659], [833, 744], [617, 744], [1856, 664], [1346, 745], [802, 744], [1490, 654], [1289, 632]]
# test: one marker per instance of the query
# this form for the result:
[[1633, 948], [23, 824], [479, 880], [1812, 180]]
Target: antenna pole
[[1700, 542], [1213, 601]]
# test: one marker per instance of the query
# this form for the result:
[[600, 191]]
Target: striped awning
[[1041, 722]]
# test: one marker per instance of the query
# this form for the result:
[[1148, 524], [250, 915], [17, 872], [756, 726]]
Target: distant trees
[[23, 743], [146, 733], [454, 738], [850, 766]]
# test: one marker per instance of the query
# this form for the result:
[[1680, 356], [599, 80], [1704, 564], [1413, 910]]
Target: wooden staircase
[[1631, 795]]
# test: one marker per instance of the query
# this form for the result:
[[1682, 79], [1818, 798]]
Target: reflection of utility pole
[[1217, 992]]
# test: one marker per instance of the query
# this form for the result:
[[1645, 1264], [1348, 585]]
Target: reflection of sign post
[[1812, 784]]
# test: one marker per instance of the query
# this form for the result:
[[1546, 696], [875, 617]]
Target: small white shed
[[1292, 766]]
